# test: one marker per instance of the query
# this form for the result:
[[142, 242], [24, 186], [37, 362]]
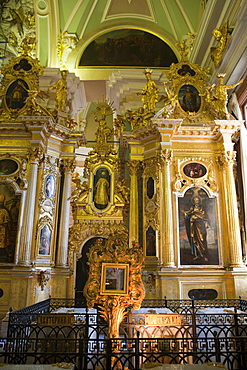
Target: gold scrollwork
[[115, 250]]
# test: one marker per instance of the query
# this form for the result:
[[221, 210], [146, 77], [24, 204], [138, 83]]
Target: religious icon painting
[[150, 187], [17, 94], [8, 167], [101, 188], [150, 242], [9, 214], [189, 99], [198, 236], [194, 170], [45, 240], [50, 186]]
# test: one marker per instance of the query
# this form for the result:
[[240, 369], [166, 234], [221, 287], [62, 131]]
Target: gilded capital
[[166, 156], [68, 165], [133, 167], [227, 159], [35, 155]]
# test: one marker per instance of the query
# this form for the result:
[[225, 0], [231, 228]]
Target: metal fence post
[[217, 346], [108, 352], [137, 354]]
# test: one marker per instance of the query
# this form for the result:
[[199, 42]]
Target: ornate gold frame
[[125, 279]]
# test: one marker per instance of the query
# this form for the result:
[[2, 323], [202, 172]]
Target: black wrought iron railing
[[131, 353], [201, 337]]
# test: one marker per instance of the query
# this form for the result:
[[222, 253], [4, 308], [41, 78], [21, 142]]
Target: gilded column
[[166, 219], [35, 157], [226, 162], [133, 224], [68, 167]]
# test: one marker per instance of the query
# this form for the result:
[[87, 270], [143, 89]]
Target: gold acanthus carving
[[150, 168], [133, 167], [67, 165], [166, 157], [227, 159], [113, 307], [36, 155]]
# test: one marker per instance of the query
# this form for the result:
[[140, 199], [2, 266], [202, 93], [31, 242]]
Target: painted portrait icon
[[198, 238], [189, 98], [50, 186], [16, 94], [45, 240], [150, 242], [8, 166], [195, 170], [9, 214], [101, 188]]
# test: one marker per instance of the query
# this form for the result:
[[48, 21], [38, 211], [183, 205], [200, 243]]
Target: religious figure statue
[[219, 98], [61, 91], [101, 196], [196, 223], [222, 36], [149, 93], [103, 132], [5, 224]]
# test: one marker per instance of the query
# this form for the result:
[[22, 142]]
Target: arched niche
[[82, 269]]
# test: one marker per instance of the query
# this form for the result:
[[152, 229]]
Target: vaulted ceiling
[[64, 28]]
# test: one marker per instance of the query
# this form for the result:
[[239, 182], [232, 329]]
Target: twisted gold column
[[166, 223], [133, 224], [226, 162]]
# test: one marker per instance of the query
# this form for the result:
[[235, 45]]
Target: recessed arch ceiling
[[168, 19]]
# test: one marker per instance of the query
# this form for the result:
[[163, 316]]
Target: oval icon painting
[[194, 170], [8, 166], [17, 94], [189, 98]]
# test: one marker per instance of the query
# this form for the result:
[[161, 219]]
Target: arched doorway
[[82, 269]]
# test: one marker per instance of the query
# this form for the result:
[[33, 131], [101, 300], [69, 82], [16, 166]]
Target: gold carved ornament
[[113, 307], [222, 36]]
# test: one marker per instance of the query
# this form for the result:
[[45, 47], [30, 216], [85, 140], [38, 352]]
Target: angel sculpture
[[222, 36], [32, 102]]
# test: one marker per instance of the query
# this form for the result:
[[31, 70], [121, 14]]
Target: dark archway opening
[[82, 269]]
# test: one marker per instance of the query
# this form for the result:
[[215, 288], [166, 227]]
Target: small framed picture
[[114, 279]]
